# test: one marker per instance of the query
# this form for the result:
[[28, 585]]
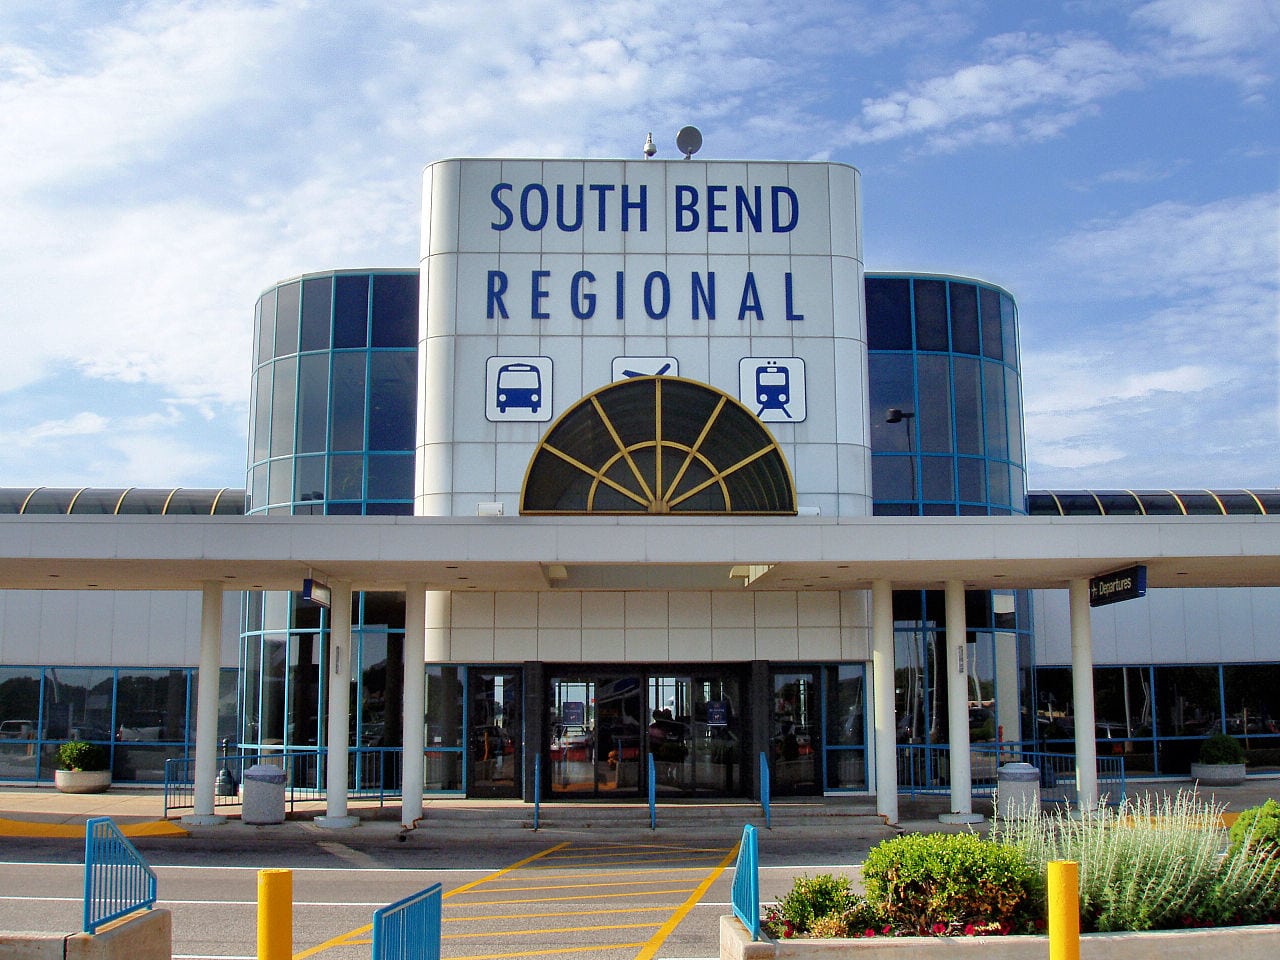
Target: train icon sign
[[518, 389], [773, 388]]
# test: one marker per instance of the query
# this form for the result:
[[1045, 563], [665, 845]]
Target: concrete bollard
[[275, 914], [1064, 910]]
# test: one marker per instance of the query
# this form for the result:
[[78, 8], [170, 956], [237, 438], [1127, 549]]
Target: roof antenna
[[649, 147]]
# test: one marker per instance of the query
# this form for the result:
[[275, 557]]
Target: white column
[[1082, 692], [885, 732], [415, 671], [957, 669], [338, 734], [207, 704]]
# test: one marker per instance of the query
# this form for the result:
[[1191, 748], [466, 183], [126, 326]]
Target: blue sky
[[1115, 165]]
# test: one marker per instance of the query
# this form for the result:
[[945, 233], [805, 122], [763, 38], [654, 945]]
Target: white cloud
[[1026, 85], [80, 425]]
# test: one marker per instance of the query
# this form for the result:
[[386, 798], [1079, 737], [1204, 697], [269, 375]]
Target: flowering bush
[[939, 885]]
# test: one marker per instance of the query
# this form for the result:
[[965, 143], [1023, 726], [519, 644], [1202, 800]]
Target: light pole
[[904, 417]]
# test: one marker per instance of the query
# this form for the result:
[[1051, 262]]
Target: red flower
[[968, 930], [886, 929], [871, 933], [939, 929]]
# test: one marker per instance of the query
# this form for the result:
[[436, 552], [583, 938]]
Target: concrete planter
[[1238, 943], [82, 781], [1218, 774]]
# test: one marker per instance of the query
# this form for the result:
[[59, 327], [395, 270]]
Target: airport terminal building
[[684, 348]]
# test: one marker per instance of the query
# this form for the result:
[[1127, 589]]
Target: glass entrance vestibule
[[596, 728]]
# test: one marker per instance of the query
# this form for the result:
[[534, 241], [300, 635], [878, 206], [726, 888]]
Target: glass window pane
[[931, 315], [994, 392], [151, 705], [968, 406], [346, 479], [444, 707], [351, 312], [937, 478], [261, 441], [1013, 406], [308, 482], [395, 311], [1009, 325], [284, 388], [1160, 504], [846, 706], [1118, 503], [347, 406], [893, 478], [1006, 486], [1187, 701], [77, 704], [973, 479], [992, 341], [390, 477], [287, 306], [317, 296], [313, 402], [266, 325], [19, 722], [1199, 503], [891, 388], [964, 317], [888, 314], [393, 389], [280, 484], [935, 405]]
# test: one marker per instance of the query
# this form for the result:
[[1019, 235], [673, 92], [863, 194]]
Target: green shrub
[[812, 899], [1218, 748], [1258, 828], [942, 883], [78, 755], [1151, 865]]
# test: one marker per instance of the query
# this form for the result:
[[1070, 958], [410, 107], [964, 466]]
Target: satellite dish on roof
[[689, 141]]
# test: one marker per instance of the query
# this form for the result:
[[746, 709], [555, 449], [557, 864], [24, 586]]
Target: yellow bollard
[[275, 914], [1064, 910]]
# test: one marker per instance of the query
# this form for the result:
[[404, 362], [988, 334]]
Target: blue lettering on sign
[[656, 296], [583, 304], [694, 209]]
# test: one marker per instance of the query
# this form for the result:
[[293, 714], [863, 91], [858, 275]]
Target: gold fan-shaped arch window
[[658, 445]]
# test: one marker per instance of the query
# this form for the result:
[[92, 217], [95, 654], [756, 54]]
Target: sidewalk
[[44, 812]]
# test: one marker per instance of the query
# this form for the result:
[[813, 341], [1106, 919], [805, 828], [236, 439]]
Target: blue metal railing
[[409, 929], [537, 788], [925, 769], [746, 882], [117, 881], [653, 795], [373, 773], [764, 791]]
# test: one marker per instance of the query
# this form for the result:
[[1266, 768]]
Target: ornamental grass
[[1152, 864]]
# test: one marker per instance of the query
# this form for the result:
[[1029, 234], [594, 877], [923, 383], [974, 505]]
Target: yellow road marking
[[657, 939], [546, 953], [342, 940], [524, 933], [580, 886], [603, 896], [553, 913]]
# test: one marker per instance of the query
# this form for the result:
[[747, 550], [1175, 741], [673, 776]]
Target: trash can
[[1018, 790], [263, 794]]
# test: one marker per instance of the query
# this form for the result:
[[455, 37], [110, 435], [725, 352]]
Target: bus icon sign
[[773, 388], [518, 388]]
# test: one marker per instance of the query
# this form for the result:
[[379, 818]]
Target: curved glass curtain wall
[[946, 440], [945, 397], [331, 431]]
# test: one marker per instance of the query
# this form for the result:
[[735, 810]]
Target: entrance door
[[596, 736], [795, 747], [496, 733], [693, 735]]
